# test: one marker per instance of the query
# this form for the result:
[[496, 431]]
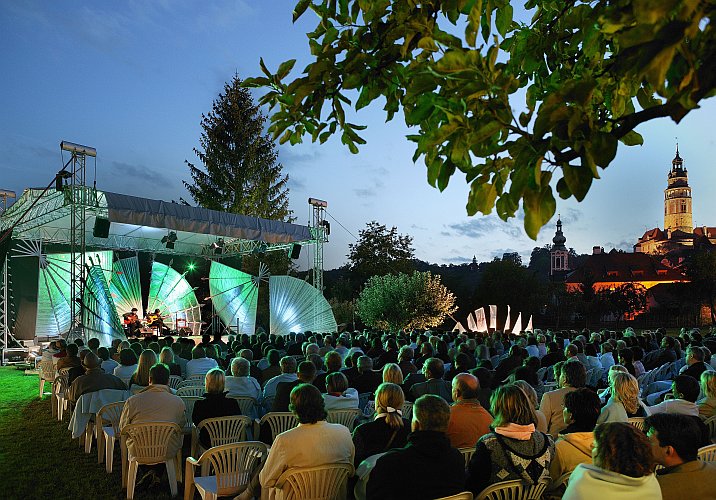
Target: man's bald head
[[91, 361], [465, 386]]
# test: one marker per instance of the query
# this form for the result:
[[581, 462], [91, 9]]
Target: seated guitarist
[[155, 320], [132, 323]]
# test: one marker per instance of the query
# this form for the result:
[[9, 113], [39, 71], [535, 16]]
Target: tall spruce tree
[[239, 170]]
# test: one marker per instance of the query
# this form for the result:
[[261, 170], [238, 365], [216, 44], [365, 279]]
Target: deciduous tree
[[379, 251]]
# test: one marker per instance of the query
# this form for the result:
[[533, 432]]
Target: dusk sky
[[133, 78]]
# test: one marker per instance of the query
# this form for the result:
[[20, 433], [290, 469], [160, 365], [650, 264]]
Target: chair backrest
[[513, 490], [59, 385], [189, 407], [279, 421], [234, 464], [363, 400], [174, 381], [467, 454], [541, 373], [246, 403], [225, 430], [711, 426], [708, 453], [465, 495], [194, 392], [150, 441], [637, 422], [197, 378], [109, 415], [344, 417], [408, 410], [47, 370], [317, 483], [190, 383]]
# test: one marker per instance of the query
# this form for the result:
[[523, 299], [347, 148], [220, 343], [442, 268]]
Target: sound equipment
[[295, 251], [101, 228]]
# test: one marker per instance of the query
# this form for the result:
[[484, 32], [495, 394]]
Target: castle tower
[[559, 256], [677, 198]]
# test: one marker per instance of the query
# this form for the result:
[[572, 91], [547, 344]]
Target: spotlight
[[169, 240], [218, 246], [326, 225], [60, 177], [190, 266]]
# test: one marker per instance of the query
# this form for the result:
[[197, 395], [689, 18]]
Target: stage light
[[190, 266], [218, 246], [317, 203]]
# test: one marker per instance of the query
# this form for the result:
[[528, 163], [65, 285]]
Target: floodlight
[[317, 203], [78, 148]]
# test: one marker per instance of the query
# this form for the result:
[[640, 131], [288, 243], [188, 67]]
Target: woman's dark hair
[[585, 406], [307, 404], [590, 350], [484, 376], [620, 447], [575, 375], [103, 353], [127, 357], [626, 358]]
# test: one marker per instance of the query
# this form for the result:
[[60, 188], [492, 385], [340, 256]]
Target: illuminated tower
[[559, 256], [677, 198]]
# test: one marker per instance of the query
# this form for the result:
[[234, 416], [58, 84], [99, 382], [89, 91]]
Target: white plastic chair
[[278, 421], [197, 379], [246, 403], [408, 410], [188, 410], [47, 373], [325, 482], [344, 417], [59, 388], [191, 383], [221, 430], [192, 392], [711, 426], [106, 434], [708, 453], [513, 490], [174, 381], [233, 466], [637, 422], [150, 444], [467, 454]]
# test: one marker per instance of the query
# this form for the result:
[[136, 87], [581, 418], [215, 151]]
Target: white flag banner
[[518, 324], [508, 324], [493, 317], [481, 320], [458, 326], [529, 328], [471, 325]]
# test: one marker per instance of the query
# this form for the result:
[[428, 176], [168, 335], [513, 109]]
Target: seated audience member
[[387, 430], [107, 363], [667, 354], [127, 365], [484, 377], [624, 402], [288, 374], [514, 360], [339, 395], [214, 404], [93, 380], [622, 469], [306, 375], [314, 442], [77, 371], [405, 361], [140, 377], [156, 403], [695, 364], [574, 445], [532, 396], [240, 383], [433, 369], [554, 355], [367, 380], [707, 405], [607, 357], [431, 467], [390, 355], [166, 356], [675, 442], [333, 363], [274, 358], [469, 421], [199, 363], [515, 449], [686, 391], [71, 358], [393, 374], [572, 377]]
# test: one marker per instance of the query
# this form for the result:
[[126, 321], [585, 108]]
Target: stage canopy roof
[[140, 224]]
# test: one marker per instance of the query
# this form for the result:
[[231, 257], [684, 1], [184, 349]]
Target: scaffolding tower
[[320, 229]]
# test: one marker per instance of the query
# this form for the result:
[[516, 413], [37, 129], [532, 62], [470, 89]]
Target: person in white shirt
[[240, 383], [127, 365], [108, 364], [607, 358], [288, 374], [686, 391], [339, 396], [199, 363]]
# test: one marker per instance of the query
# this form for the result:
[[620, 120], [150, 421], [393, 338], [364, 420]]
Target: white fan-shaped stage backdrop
[[172, 294], [234, 295], [99, 314], [296, 306], [125, 286]]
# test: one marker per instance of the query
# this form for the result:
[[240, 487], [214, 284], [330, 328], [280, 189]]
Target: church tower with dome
[[677, 198], [559, 255]]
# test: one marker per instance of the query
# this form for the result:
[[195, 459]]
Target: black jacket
[[367, 382], [212, 406], [283, 395], [429, 466], [373, 437]]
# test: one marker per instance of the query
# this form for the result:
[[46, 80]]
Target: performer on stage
[[132, 323], [155, 320]]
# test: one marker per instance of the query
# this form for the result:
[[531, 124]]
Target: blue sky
[[133, 78]]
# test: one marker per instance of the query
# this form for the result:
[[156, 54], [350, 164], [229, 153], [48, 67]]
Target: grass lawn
[[38, 459]]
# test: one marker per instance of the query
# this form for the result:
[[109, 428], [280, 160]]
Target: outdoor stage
[[75, 259]]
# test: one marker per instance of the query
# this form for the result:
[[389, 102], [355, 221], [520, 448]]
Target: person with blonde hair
[[532, 396], [214, 403], [572, 376], [393, 374], [140, 377], [624, 402], [707, 405], [605, 395], [388, 429], [515, 449], [166, 356]]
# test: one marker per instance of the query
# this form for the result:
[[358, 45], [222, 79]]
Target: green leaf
[[481, 198], [603, 148], [300, 8], [578, 179], [503, 19], [285, 68], [632, 138]]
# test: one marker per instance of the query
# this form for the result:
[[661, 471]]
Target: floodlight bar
[[78, 148], [317, 203], [4, 193]]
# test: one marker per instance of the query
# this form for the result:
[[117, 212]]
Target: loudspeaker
[[295, 251], [101, 227]]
